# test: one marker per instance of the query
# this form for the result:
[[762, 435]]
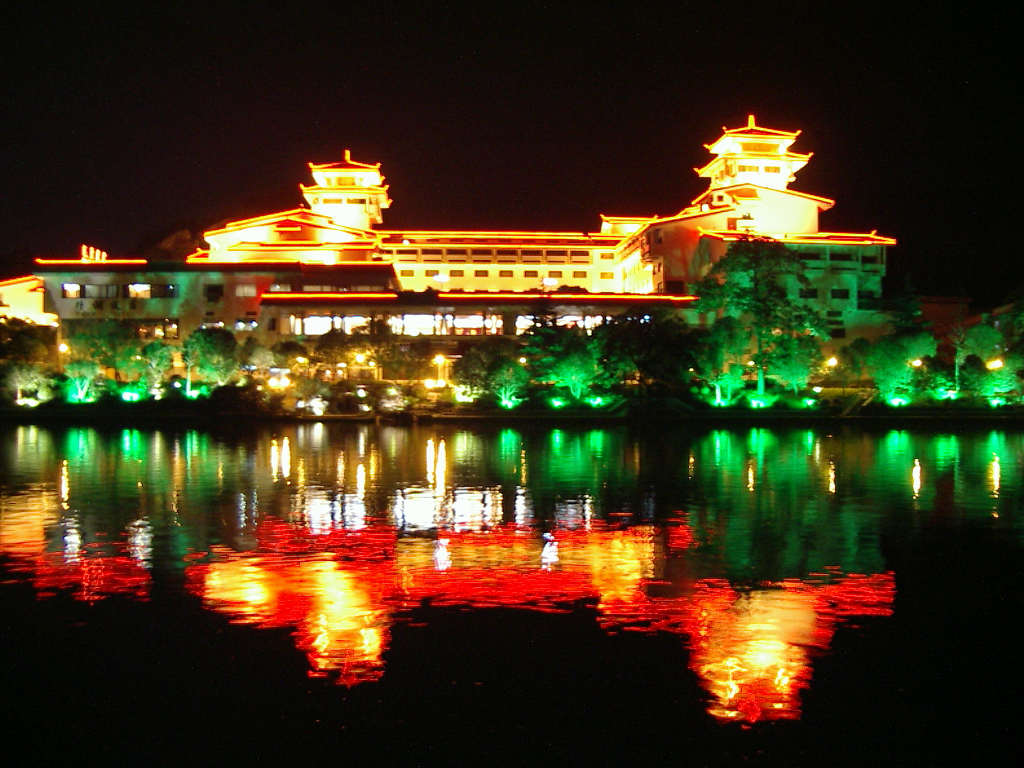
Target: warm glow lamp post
[[439, 361]]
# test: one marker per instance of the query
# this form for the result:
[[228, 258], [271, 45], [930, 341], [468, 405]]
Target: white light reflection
[[994, 474], [915, 475], [140, 542], [574, 513], [442, 557], [65, 484], [549, 554], [523, 512], [72, 540], [831, 476], [286, 459]]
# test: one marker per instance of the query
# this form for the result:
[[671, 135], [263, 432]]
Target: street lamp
[[439, 361]]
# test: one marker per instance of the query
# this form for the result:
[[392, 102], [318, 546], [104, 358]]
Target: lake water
[[444, 595]]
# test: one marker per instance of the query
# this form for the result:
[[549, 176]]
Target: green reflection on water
[[763, 504]]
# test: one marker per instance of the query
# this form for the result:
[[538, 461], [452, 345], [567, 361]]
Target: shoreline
[[134, 417]]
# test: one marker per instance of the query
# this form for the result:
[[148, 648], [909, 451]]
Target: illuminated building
[[22, 298], [749, 195], [304, 271]]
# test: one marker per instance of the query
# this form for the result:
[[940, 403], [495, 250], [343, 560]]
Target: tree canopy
[[754, 281]]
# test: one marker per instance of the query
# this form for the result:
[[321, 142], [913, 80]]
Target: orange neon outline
[[11, 282], [325, 295], [278, 260], [476, 295], [303, 245], [80, 262], [348, 162], [722, 158], [840, 238], [752, 128], [411, 233], [808, 195], [484, 297], [326, 222]]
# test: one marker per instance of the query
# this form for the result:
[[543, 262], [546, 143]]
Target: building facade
[[332, 263]]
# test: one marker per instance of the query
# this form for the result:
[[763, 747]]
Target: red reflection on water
[[90, 572], [341, 589], [752, 649], [329, 586], [90, 576]]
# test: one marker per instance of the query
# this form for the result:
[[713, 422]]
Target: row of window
[[836, 293], [129, 291], [755, 169], [509, 255], [581, 274], [837, 256]]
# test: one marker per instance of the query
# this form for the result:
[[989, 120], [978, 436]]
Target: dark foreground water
[[453, 596]]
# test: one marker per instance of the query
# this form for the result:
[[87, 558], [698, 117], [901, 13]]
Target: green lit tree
[[492, 367], [81, 381], [158, 357], [719, 356], [507, 380], [210, 353], [983, 341], [23, 379], [795, 359], [111, 343], [578, 367], [753, 282], [893, 361]]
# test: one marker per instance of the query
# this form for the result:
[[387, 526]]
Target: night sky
[[122, 123]]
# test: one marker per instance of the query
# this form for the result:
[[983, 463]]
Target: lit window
[[280, 288], [555, 273], [480, 273], [245, 290], [71, 291], [504, 273], [772, 169], [530, 273], [607, 275], [579, 273], [406, 273], [607, 256], [747, 169], [458, 273], [140, 290]]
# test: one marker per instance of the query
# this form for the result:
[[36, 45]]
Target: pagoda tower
[[351, 193], [753, 155]]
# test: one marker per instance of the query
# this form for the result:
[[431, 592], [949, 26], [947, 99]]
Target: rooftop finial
[[750, 121], [348, 155]]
